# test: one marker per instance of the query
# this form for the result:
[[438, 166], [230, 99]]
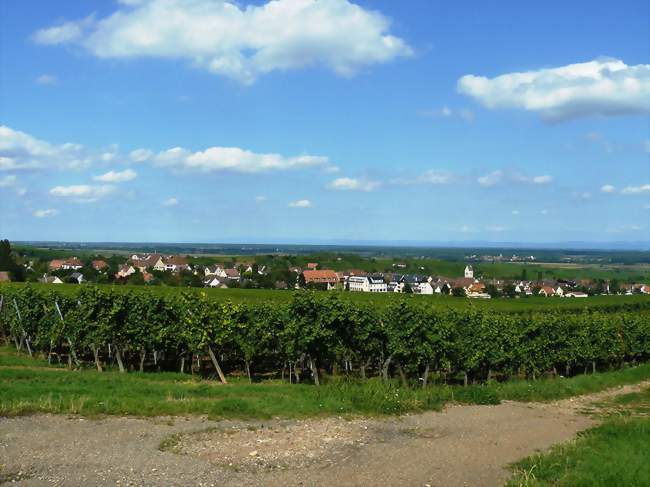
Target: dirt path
[[463, 445]]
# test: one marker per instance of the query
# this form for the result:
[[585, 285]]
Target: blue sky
[[310, 120]]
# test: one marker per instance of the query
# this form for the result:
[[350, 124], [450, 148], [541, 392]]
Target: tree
[[407, 288], [493, 291], [509, 290], [8, 262], [458, 292]]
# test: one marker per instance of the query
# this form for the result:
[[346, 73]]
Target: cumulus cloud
[[45, 213], [116, 176], [140, 155], [46, 79], [608, 188], [234, 159], [21, 151], [170, 202], [82, 193], [351, 184], [499, 176], [429, 177], [643, 188], [300, 204], [240, 42], [7, 181], [605, 87], [63, 33]]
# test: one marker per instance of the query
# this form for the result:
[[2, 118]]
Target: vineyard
[[313, 335]]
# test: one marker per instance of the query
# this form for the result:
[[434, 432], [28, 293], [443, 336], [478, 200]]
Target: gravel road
[[462, 445]]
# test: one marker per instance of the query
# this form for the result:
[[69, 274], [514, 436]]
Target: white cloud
[[351, 184], [300, 204], [605, 87], [20, 192], [544, 212], [45, 213], [239, 42], [646, 146], [170, 202], [607, 188], [446, 112], [515, 212], [21, 151], [260, 199], [545, 179], [140, 155], [492, 179], [82, 193], [7, 181], [46, 79], [116, 177], [428, 177], [63, 33], [499, 176], [625, 228], [234, 159], [644, 188]]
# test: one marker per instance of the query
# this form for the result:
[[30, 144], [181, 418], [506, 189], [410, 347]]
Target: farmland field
[[379, 299]]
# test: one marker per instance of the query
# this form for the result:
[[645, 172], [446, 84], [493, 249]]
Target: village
[[159, 269]]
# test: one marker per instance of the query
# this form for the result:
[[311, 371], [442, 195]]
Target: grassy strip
[[612, 454], [30, 386], [561, 388], [534, 303]]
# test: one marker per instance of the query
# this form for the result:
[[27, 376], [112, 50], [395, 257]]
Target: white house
[[125, 271], [51, 279], [469, 272], [576, 294], [215, 281], [214, 270], [367, 284], [426, 288]]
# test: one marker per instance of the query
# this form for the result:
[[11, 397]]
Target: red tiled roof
[[326, 275]]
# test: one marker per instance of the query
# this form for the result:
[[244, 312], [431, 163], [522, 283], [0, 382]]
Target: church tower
[[469, 272]]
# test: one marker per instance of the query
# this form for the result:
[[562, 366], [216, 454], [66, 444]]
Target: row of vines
[[316, 333]]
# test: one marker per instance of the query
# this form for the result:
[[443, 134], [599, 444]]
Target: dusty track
[[463, 445]]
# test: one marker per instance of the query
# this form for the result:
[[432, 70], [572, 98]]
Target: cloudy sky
[[312, 120]]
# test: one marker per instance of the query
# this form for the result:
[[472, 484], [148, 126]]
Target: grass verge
[[612, 454], [30, 386]]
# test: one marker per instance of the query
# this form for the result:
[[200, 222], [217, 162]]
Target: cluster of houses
[[469, 285], [221, 276]]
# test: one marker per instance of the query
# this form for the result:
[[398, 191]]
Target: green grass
[[30, 386], [560, 388], [612, 454], [382, 299]]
